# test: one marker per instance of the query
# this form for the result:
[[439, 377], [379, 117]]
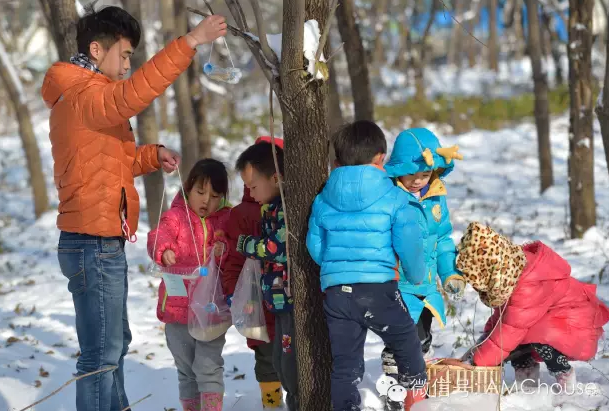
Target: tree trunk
[[472, 51], [306, 168], [420, 61], [186, 118], [581, 136], [602, 109], [356, 61], [378, 56], [335, 114], [542, 116], [493, 46], [200, 108], [518, 33], [162, 104], [62, 17], [14, 89], [454, 57], [555, 43], [147, 128]]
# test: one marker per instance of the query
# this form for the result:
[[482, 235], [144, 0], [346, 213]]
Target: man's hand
[[168, 258], [169, 159], [207, 31]]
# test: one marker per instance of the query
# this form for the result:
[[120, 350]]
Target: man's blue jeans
[[96, 268]]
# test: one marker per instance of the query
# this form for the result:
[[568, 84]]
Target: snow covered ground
[[497, 184]]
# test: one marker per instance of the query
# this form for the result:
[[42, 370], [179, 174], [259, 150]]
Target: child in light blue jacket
[[359, 223], [417, 164]]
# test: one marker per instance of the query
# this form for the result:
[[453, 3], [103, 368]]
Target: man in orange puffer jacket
[[96, 161]]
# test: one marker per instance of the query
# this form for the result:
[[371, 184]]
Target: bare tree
[[147, 127], [602, 110], [175, 20], [475, 11], [356, 61], [380, 16], [555, 43], [420, 57], [493, 46], [581, 136], [335, 114], [199, 105], [14, 88], [456, 39], [542, 116], [61, 18]]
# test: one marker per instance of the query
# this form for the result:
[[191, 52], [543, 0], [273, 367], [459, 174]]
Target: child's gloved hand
[[168, 258], [455, 288]]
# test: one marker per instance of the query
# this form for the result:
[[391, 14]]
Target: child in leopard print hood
[[537, 305]]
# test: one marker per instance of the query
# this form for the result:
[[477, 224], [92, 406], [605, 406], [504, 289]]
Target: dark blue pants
[[352, 310], [96, 269]]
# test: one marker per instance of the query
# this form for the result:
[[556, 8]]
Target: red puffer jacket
[[244, 219], [547, 306]]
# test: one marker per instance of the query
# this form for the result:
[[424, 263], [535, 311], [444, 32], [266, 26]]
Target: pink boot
[[193, 404], [211, 401]]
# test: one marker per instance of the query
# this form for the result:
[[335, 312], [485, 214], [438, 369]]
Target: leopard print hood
[[490, 263]]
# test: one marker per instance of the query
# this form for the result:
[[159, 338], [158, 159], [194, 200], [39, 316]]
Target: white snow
[[310, 45], [79, 8], [12, 72], [497, 184]]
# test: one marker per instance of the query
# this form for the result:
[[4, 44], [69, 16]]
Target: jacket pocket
[[72, 264]]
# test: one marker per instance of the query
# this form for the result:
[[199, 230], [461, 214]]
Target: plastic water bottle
[[230, 75]]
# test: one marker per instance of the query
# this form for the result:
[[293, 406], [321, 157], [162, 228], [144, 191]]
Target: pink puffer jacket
[[174, 234], [547, 306]]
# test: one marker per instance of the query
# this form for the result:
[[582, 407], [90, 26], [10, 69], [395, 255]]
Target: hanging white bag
[[247, 303], [209, 316]]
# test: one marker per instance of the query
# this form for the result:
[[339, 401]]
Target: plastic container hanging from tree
[[230, 75]]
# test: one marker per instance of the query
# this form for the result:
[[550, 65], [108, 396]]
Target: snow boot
[[192, 404], [567, 381], [272, 394], [211, 401], [527, 377]]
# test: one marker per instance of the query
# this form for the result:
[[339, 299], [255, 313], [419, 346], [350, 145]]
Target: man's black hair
[[106, 26], [357, 143], [210, 170], [260, 157]]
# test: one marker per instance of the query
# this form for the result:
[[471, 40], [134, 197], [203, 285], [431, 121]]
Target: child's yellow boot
[[272, 394]]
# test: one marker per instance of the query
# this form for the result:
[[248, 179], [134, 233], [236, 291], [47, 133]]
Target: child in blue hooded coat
[[359, 223], [417, 165]]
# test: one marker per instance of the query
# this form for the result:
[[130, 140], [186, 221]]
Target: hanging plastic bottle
[[230, 75]]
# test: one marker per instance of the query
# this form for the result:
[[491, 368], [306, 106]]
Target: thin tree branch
[[129, 407], [459, 23], [324, 36], [80, 377], [269, 54], [211, 11], [237, 11]]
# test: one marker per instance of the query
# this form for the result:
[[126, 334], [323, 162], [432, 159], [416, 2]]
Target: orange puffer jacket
[[93, 146]]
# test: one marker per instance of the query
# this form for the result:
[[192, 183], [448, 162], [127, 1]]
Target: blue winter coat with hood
[[358, 223], [418, 150]]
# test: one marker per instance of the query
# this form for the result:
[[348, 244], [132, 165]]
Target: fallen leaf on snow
[[43, 373], [150, 356], [37, 384], [12, 340], [239, 377]]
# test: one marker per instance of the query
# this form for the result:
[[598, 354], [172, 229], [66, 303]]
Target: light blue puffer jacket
[[358, 223], [432, 216]]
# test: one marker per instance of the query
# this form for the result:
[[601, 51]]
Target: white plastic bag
[[246, 308], [208, 316]]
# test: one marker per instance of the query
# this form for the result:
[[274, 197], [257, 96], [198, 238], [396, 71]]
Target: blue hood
[[355, 188], [407, 155]]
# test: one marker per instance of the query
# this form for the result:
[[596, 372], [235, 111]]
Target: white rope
[[211, 51], [192, 231]]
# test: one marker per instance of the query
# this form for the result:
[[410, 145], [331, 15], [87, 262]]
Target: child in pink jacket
[[200, 364]]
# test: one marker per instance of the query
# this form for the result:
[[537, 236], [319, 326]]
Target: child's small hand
[[219, 246], [168, 258], [455, 287]]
